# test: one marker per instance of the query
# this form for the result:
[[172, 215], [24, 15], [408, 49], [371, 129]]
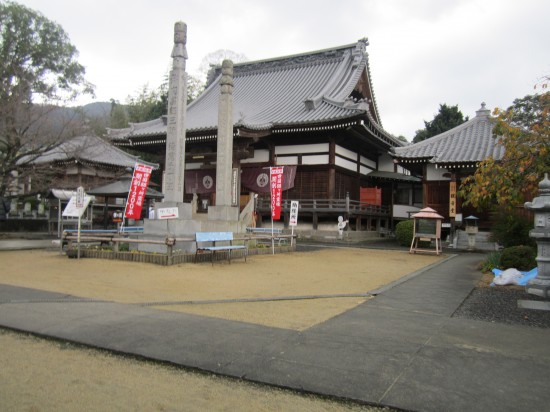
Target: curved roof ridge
[[468, 142], [148, 123], [281, 62], [91, 148], [313, 102], [435, 139], [371, 88]]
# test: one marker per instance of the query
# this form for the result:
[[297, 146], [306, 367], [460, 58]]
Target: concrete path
[[401, 349]]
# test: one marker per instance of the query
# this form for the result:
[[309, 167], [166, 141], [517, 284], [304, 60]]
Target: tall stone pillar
[[227, 179], [182, 223], [177, 108]]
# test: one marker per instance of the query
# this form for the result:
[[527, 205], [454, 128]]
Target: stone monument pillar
[[540, 286], [177, 108], [227, 177], [182, 224]]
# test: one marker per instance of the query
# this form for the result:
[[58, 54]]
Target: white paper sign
[[167, 213], [72, 209]]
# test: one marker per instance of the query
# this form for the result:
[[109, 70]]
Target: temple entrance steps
[[483, 241]]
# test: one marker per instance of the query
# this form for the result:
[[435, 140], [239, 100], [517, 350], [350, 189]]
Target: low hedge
[[519, 257], [404, 232]]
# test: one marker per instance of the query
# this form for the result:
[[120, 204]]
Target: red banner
[[276, 179], [138, 189]]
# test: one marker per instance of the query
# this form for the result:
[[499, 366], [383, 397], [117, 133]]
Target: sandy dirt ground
[[43, 375], [317, 273]]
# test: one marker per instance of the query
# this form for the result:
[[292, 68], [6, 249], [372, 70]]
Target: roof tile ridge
[[371, 87], [313, 102], [147, 123], [114, 133], [435, 139], [380, 129], [117, 150]]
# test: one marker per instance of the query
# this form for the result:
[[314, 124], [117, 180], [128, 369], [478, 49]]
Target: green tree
[[194, 88], [37, 64], [118, 118], [147, 104], [447, 118], [524, 132]]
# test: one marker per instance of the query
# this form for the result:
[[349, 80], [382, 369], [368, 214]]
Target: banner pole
[[78, 242], [272, 232]]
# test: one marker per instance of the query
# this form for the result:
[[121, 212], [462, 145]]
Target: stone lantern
[[540, 286], [471, 230]]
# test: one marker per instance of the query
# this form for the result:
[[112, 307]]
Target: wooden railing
[[329, 206]]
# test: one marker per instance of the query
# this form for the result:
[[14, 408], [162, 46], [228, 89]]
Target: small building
[[443, 161], [87, 161], [314, 113]]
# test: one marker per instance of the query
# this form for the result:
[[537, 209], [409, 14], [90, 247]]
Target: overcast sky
[[422, 52]]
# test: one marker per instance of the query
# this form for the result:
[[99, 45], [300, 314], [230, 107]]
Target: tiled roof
[[298, 90], [91, 149], [468, 143]]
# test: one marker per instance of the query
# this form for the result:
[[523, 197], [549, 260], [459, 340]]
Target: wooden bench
[[273, 234], [209, 242]]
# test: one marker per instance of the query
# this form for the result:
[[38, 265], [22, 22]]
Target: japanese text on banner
[[276, 179], [138, 190]]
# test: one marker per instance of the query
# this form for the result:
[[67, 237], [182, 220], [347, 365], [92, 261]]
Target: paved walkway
[[400, 349]]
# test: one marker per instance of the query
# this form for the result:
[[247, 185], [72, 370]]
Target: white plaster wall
[[346, 164], [345, 152], [364, 171], [315, 160], [368, 162], [385, 163], [302, 148], [192, 166], [401, 211], [261, 155], [287, 160], [436, 174]]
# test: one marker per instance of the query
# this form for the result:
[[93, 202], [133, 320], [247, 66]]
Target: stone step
[[483, 241]]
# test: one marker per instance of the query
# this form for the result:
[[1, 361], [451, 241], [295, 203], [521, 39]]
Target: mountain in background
[[97, 109]]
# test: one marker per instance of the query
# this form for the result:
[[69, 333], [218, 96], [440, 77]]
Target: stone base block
[[223, 213], [185, 210], [538, 290]]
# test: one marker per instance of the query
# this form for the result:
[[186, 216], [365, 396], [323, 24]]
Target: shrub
[[519, 257], [491, 262], [404, 232], [124, 247], [512, 229]]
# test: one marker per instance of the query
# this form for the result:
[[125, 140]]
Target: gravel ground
[[500, 304]]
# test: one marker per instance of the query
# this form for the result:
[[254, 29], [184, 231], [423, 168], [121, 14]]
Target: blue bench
[[267, 231], [210, 242]]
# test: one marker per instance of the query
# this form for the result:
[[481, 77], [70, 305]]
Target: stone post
[[177, 108], [540, 286], [227, 177]]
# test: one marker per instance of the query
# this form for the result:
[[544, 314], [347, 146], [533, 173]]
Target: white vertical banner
[[293, 221]]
